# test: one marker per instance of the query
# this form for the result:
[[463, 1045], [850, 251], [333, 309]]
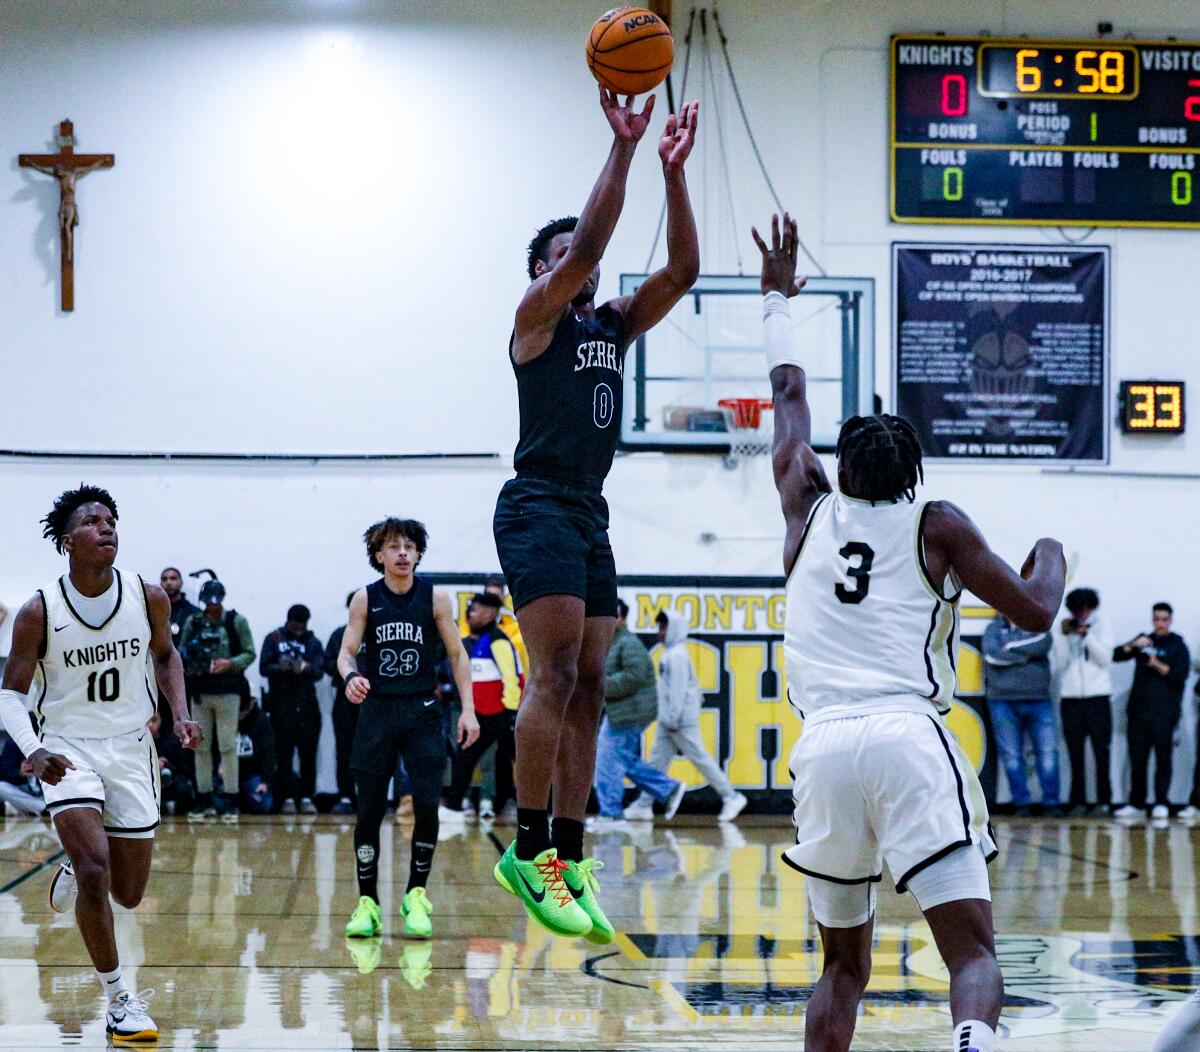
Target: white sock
[[973, 1036], [112, 982]]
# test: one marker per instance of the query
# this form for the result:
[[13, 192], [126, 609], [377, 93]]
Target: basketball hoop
[[751, 434]]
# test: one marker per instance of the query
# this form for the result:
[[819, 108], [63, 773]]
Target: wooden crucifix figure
[[67, 167]]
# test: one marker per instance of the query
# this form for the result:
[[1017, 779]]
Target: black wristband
[[352, 676]]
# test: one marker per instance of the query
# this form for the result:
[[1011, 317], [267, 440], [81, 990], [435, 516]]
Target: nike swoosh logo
[[430, 702], [143, 736], [575, 892], [537, 896], [377, 609], [59, 628]]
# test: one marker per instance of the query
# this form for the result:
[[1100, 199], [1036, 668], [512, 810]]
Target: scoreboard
[[1057, 132]]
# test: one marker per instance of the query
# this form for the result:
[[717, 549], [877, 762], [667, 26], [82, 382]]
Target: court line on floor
[[16, 881], [1127, 874]]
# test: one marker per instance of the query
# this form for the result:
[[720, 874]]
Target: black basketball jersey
[[570, 398], [399, 645]]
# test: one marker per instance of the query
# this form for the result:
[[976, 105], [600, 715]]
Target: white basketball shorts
[[116, 776], [890, 787]]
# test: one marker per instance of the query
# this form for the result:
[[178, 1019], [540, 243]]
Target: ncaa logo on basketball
[[638, 21]]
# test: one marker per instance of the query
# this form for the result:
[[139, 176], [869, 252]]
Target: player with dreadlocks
[[88, 643], [873, 582]]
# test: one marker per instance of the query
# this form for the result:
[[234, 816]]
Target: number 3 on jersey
[[860, 574], [603, 404]]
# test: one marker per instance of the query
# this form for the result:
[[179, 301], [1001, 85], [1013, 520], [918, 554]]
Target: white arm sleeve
[[778, 339], [15, 718]]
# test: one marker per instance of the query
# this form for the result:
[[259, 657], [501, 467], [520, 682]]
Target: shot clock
[[1087, 133], [1152, 407]]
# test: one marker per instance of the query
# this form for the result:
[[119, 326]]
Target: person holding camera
[[1083, 654], [217, 648], [1155, 705], [292, 663]]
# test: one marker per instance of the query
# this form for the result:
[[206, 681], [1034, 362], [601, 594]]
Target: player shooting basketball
[[551, 522], [873, 582]]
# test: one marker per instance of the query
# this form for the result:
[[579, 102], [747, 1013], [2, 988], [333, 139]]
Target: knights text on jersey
[[95, 679], [866, 629]]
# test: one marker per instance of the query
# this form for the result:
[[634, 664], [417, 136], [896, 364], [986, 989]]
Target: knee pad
[[841, 905]]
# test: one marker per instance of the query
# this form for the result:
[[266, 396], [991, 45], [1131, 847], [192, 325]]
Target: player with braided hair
[[882, 457], [873, 582]]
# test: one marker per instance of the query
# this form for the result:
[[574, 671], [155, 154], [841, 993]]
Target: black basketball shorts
[[552, 539], [410, 727]]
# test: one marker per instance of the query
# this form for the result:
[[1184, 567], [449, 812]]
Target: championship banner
[[736, 646], [1001, 351]]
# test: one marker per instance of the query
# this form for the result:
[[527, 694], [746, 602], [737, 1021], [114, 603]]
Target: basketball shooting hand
[[627, 126], [468, 729], [779, 260], [50, 767], [678, 137], [1045, 548], [189, 734]]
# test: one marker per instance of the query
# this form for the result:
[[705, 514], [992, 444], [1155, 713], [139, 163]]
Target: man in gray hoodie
[[1017, 681], [679, 703]]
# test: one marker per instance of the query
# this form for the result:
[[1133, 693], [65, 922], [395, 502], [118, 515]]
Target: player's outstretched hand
[[357, 689], [468, 729], [779, 260], [189, 733], [50, 767], [678, 137], [627, 125]]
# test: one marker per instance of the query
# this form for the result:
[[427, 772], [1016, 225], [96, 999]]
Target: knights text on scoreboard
[[1059, 132]]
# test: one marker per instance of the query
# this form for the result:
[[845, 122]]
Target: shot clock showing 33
[[1096, 133]]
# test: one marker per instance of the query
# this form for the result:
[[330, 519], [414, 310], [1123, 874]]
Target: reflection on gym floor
[[240, 937]]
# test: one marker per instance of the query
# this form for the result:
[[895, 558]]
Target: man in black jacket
[[256, 759], [292, 663], [345, 722], [1155, 705]]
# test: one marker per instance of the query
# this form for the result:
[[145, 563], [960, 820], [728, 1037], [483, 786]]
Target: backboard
[[709, 348]]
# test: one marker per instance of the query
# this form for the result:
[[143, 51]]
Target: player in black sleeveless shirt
[[388, 657], [551, 523]]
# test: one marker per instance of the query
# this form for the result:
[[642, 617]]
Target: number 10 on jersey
[[104, 686]]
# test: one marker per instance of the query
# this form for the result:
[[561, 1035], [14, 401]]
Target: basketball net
[[751, 426]]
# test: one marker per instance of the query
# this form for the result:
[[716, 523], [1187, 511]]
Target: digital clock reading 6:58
[[1059, 72], [1154, 406]]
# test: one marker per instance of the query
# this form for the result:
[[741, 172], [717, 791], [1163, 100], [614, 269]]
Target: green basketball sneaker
[[365, 921], [583, 886], [539, 885], [416, 909]]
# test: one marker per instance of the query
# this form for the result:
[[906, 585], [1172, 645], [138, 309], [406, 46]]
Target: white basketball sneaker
[[128, 1020], [63, 889]]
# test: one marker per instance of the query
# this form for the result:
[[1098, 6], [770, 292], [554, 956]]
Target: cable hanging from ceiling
[[710, 83]]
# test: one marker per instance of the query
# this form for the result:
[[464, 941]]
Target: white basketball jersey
[[866, 628], [95, 679]]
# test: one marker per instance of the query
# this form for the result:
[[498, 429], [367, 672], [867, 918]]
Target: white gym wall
[[313, 240]]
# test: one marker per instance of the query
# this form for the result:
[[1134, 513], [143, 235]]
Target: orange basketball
[[630, 50]]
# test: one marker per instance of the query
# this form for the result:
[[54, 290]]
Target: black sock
[[367, 870], [424, 841], [533, 832], [568, 839]]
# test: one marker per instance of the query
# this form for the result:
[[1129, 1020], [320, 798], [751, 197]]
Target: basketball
[[630, 50]]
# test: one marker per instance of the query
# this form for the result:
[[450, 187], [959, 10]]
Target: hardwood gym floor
[[240, 935]]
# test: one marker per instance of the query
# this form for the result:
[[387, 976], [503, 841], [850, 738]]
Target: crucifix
[[67, 167]]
